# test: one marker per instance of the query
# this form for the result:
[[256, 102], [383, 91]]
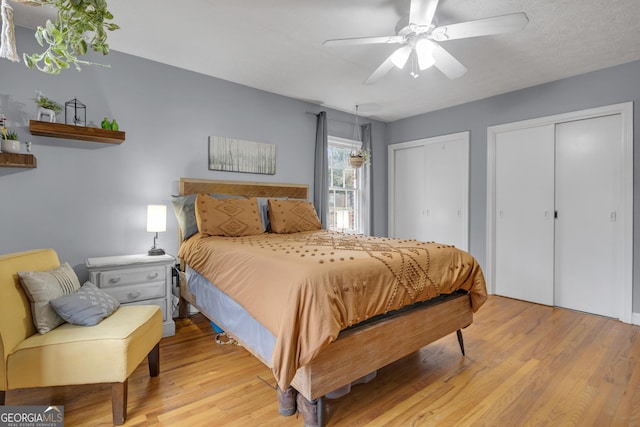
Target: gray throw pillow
[[184, 209], [87, 306], [43, 286]]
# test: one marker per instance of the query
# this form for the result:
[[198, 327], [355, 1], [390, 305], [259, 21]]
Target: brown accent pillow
[[227, 217], [292, 216]]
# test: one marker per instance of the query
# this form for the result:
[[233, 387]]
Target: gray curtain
[[367, 193], [321, 170]]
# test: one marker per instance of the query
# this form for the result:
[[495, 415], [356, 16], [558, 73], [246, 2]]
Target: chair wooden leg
[[3, 395], [119, 402], [154, 361]]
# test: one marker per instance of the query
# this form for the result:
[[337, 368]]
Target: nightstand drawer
[[138, 292], [130, 276], [159, 302]]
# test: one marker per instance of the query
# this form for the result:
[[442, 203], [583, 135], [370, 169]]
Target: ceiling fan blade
[[450, 66], [481, 27], [362, 40], [421, 12], [380, 72]]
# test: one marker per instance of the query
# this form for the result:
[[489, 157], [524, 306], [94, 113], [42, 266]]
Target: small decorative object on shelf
[[47, 108], [75, 113], [10, 142], [109, 125]]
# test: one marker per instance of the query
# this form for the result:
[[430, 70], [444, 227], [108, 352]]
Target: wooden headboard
[[242, 188]]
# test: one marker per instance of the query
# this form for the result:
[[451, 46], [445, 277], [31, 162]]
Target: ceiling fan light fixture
[[400, 56], [424, 52], [439, 34]]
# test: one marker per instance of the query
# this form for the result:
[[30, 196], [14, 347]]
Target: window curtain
[[321, 170], [367, 193]]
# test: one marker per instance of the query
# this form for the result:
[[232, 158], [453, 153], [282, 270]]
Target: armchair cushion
[[85, 307], [43, 286], [71, 354]]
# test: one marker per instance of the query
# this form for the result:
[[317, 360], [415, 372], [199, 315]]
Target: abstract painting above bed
[[307, 287]]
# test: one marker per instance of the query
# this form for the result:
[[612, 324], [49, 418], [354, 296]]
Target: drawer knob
[[115, 279], [134, 295], [152, 276]]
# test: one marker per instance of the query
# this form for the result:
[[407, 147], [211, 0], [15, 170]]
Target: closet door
[[588, 197], [408, 193], [524, 222], [429, 189], [445, 188]]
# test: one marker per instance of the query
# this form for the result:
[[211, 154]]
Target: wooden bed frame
[[357, 351]]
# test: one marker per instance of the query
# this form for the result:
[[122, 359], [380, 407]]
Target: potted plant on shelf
[[47, 107], [360, 157], [10, 143]]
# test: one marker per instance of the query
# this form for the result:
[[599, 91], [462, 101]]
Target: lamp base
[[155, 251]]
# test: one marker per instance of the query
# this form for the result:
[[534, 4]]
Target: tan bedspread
[[306, 287]]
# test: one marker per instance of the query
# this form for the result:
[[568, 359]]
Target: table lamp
[[156, 221]]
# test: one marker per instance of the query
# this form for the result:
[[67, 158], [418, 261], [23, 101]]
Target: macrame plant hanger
[[8, 37]]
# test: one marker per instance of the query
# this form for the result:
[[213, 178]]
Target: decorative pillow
[[44, 286], [263, 206], [184, 208], [292, 216], [85, 307], [227, 217]]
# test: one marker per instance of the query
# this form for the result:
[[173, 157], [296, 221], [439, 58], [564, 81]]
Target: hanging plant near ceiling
[[80, 25]]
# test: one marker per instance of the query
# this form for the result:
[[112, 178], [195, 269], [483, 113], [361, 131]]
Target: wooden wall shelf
[[11, 160], [59, 130]]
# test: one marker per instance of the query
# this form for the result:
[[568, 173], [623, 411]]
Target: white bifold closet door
[[524, 214], [447, 194], [409, 178], [558, 195], [429, 190], [588, 164]]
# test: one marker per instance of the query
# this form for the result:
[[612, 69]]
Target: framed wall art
[[236, 155]]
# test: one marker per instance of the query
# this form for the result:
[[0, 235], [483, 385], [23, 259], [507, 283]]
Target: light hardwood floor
[[526, 365]]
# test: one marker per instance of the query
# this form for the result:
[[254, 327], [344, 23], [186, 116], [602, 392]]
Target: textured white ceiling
[[276, 46]]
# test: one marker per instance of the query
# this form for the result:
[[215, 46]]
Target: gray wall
[[605, 87], [89, 199]]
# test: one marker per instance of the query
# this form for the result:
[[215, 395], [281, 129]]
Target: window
[[345, 187]]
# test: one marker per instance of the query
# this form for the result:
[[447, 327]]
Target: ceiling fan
[[419, 37]]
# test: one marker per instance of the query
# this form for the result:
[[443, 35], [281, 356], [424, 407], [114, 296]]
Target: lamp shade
[[401, 56], [424, 51], [156, 218]]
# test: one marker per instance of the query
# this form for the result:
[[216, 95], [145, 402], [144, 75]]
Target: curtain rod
[[334, 119]]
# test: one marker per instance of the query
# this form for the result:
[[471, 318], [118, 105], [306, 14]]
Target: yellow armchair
[[70, 354]]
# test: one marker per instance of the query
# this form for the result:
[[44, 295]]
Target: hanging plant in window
[[80, 24], [361, 156]]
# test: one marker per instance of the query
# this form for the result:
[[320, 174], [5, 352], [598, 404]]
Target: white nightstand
[[137, 279]]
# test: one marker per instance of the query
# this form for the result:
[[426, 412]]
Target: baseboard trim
[[635, 318]]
